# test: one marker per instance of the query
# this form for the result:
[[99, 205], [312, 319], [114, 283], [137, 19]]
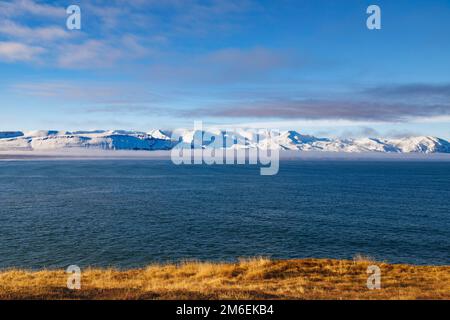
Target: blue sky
[[312, 66]]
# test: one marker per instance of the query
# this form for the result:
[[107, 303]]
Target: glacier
[[48, 140]]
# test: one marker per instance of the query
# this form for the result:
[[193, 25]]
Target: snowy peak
[[421, 144], [98, 139], [166, 140], [159, 134]]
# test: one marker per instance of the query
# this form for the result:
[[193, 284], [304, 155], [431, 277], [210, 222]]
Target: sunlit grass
[[257, 278]]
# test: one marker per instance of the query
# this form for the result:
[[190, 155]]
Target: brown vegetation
[[247, 279]]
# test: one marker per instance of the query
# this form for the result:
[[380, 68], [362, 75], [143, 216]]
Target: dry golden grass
[[247, 279]]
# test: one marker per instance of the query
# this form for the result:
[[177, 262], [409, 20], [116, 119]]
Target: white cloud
[[23, 7], [86, 92], [100, 53], [15, 51], [433, 119], [27, 34]]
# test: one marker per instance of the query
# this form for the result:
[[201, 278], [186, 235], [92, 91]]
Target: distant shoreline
[[81, 154]]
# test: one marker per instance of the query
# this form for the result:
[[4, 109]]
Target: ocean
[[130, 213]]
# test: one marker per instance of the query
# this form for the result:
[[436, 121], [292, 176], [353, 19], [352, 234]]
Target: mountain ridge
[[165, 140]]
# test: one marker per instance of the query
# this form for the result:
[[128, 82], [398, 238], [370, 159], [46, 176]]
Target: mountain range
[[162, 140]]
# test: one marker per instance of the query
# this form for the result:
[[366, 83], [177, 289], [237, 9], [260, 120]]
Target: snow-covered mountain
[[166, 140], [99, 139]]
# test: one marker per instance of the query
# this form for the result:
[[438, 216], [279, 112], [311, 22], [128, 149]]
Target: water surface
[[129, 213]]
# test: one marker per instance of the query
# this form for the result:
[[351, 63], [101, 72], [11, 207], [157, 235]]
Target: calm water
[[130, 213]]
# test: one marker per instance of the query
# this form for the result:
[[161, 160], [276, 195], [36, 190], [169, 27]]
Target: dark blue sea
[[129, 213]]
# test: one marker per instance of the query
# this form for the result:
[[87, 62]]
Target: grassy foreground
[[247, 279]]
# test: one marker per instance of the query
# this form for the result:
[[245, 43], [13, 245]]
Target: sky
[[310, 66]]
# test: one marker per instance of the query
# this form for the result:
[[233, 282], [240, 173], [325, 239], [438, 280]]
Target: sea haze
[[129, 213]]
